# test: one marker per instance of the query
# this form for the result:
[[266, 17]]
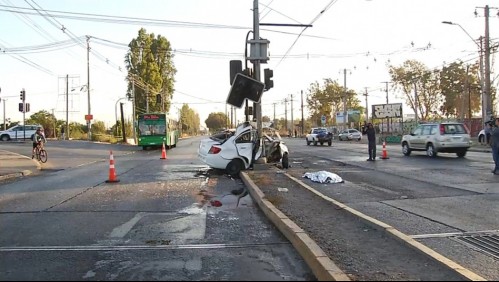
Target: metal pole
[[123, 123], [24, 115], [482, 84], [345, 117], [286, 115], [4, 122], [488, 100], [256, 69], [147, 101], [302, 119], [367, 107], [133, 112], [292, 119], [416, 102], [89, 124], [67, 106], [274, 117]]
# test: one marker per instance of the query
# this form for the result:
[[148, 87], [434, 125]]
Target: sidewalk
[[14, 165]]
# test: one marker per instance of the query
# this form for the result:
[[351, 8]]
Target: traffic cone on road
[[385, 154], [112, 170], [163, 152]]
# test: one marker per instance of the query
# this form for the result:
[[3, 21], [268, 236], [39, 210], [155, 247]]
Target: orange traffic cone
[[163, 152], [385, 154], [112, 170]]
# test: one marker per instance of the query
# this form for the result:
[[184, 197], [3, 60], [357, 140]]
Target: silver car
[[350, 134], [437, 137]]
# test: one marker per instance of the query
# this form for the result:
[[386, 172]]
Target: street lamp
[[484, 98]]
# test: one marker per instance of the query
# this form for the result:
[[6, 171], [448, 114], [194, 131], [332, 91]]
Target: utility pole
[[286, 114], [387, 119], [123, 123], [488, 101], [416, 102], [345, 114], [482, 83], [257, 72], [367, 107], [147, 100], [302, 119], [386, 90], [133, 112], [67, 106], [55, 124], [89, 122], [292, 119], [275, 123]]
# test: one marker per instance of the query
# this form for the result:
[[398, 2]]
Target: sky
[[361, 36]]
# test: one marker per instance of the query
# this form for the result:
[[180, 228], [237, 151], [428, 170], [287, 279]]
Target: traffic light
[[268, 74], [23, 95], [236, 67]]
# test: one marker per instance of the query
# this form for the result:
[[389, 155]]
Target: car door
[[416, 138], [244, 145], [426, 135], [18, 132]]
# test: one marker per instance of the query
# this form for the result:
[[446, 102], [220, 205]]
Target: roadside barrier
[[163, 152], [112, 170], [385, 154]]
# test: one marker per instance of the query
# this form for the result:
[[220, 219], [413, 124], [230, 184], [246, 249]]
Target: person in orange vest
[[371, 138]]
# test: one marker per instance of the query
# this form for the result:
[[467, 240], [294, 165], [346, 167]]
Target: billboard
[[387, 111]]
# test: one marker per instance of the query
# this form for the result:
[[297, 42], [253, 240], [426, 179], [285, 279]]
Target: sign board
[[89, 117], [323, 120], [387, 111]]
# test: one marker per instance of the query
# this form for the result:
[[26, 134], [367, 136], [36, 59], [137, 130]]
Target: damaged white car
[[234, 151]]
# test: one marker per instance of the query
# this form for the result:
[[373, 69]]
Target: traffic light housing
[[23, 95], [268, 74]]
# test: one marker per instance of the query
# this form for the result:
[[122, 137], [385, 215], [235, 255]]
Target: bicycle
[[40, 153]]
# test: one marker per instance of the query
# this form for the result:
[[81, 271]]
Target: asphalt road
[[160, 222], [436, 201]]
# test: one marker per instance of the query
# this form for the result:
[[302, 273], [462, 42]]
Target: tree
[[216, 121], [189, 120], [328, 99], [265, 119], [150, 66], [413, 75], [457, 82], [46, 120], [98, 127]]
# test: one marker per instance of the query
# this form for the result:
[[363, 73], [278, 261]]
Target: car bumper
[[213, 161], [453, 147]]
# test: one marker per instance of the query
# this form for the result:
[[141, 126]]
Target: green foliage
[[216, 121], [98, 127], [265, 119], [149, 62], [77, 131], [46, 120], [189, 121], [327, 99]]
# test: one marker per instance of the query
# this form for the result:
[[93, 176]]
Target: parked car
[[235, 151], [319, 135], [18, 131], [350, 134], [437, 138]]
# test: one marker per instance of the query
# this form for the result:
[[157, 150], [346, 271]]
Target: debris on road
[[282, 189]]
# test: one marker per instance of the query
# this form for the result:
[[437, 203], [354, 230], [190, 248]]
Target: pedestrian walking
[[63, 136], [371, 138], [494, 144]]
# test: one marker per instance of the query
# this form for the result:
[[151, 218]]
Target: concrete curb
[[323, 268], [15, 175], [465, 273]]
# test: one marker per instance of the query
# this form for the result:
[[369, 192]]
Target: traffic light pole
[[257, 74]]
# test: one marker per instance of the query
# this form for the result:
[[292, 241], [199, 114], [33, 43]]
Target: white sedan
[[350, 134]]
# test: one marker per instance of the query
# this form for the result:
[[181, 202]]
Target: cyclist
[[37, 140]]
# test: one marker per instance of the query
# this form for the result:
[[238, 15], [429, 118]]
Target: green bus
[[156, 128]]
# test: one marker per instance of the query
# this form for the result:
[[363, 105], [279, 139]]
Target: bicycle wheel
[[43, 156]]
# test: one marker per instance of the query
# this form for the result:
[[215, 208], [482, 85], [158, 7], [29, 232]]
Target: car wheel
[[315, 143], [5, 138], [285, 161], [406, 150], [234, 167], [480, 139], [430, 151], [308, 143], [322, 143], [329, 143], [461, 154]]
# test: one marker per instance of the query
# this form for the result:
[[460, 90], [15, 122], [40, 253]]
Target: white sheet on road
[[323, 177]]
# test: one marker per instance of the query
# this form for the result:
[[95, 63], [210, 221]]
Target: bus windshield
[[152, 125]]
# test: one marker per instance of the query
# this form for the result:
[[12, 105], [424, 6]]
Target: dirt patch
[[359, 249]]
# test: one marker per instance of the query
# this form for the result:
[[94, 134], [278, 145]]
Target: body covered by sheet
[[323, 177]]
